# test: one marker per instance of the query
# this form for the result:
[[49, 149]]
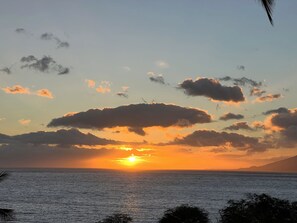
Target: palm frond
[[3, 175], [268, 5], [6, 214]]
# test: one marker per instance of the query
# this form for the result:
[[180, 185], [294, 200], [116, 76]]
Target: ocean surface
[[71, 196]]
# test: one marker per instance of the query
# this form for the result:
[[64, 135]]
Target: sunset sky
[[197, 84]]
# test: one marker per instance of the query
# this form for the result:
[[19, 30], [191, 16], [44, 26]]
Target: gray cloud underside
[[229, 116], [288, 123], [212, 89], [157, 79], [28, 155], [45, 64], [60, 137], [242, 81], [134, 115], [204, 138], [239, 126], [276, 111], [52, 37]]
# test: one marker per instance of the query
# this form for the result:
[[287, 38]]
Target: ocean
[[78, 196]]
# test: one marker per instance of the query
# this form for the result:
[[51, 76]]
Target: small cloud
[[45, 93], [277, 111], [241, 67], [124, 92], [24, 121], [137, 130], [45, 64], [157, 78], [90, 83], [239, 126], [20, 31], [104, 87], [16, 89], [229, 116], [126, 68], [212, 89], [269, 97], [162, 64], [52, 37], [255, 91], [6, 70]]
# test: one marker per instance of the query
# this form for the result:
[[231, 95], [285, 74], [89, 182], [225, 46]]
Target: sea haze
[[52, 195]]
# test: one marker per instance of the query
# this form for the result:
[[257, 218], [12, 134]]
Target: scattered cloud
[[126, 68], [240, 67], [212, 89], [124, 92], [255, 91], [157, 78], [162, 64], [52, 37], [229, 116], [90, 83], [269, 97], [242, 81], [276, 111], [21, 31], [45, 64], [45, 93], [24, 121], [239, 126], [211, 138], [137, 130], [134, 115], [6, 70], [104, 87], [16, 89]]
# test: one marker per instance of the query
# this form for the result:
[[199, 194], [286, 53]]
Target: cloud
[[229, 116], [24, 121], [6, 70], [210, 138], [45, 64], [21, 31], [62, 137], [239, 126], [52, 37], [157, 78], [241, 67], [269, 97], [257, 92], [137, 130], [124, 92], [45, 93], [134, 115], [242, 81], [90, 83], [104, 87], [126, 68], [162, 64], [29, 155], [276, 111], [16, 89], [212, 89]]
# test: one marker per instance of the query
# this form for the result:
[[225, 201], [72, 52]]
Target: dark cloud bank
[[135, 116], [212, 89]]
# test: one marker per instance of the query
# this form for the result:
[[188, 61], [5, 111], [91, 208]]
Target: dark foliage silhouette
[[259, 209], [117, 218], [5, 214], [268, 5], [185, 214]]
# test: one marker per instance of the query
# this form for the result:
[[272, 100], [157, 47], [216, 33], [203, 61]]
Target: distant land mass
[[283, 166]]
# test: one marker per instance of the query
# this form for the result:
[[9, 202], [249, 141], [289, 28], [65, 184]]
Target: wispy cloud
[[157, 78], [45, 93], [52, 37], [162, 64], [45, 64], [126, 68], [239, 126], [104, 87], [90, 83], [269, 97], [124, 92], [24, 121], [229, 116], [16, 89]]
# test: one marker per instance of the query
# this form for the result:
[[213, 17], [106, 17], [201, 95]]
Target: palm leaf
[[6, 214], [268, 5]]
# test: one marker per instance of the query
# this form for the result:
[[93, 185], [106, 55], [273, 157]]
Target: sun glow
[[130, 160]]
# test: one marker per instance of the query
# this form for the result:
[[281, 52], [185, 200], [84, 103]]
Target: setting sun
[[132, 158]]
